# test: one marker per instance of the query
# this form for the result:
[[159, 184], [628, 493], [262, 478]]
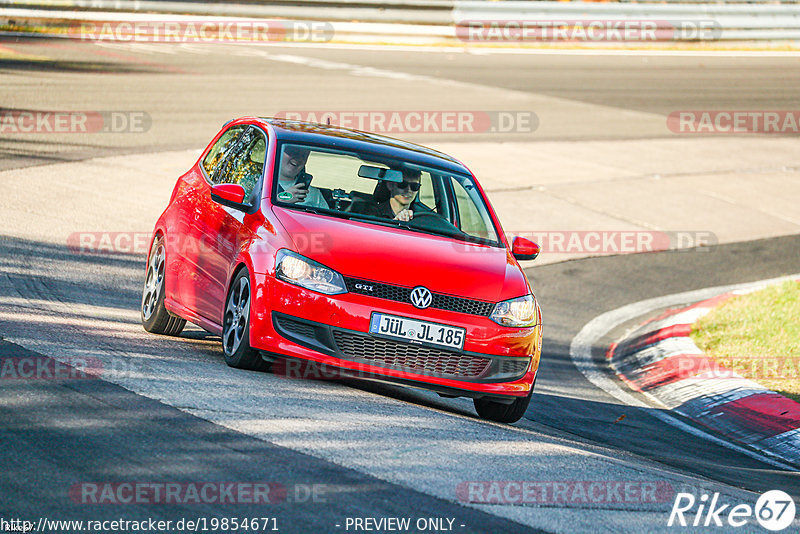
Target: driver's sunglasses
[[405, 185]]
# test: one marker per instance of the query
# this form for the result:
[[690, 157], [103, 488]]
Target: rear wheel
[[236, 327], [502, 413], [155, 317]]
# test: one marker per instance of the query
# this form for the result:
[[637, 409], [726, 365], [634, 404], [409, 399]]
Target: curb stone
[[659, 359]]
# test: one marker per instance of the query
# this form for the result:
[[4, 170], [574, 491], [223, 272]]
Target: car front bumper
[[332, 332]]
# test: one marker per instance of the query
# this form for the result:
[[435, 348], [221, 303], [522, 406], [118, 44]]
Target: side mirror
[[524, 249], [231, 195]]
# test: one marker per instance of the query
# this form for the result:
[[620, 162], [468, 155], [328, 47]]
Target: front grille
[[403, 294], [413, 358], [457, 304], [378, 290]]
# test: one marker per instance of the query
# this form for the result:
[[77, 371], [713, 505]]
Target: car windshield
[[370, 188]]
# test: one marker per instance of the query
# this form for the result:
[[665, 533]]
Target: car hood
[[406, 258]]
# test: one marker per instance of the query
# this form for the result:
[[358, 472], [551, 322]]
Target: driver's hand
[[299, 193], [405, 215]]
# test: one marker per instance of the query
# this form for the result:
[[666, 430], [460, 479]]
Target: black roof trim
[[358, 141]]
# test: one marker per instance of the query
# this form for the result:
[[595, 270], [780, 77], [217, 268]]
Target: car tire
[[155, 317], [493, 410], [236, 327]]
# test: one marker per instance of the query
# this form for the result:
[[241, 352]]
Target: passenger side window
[[472, 222], [221, 148], [245, 165]]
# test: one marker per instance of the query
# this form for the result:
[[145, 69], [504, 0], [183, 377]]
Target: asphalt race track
[[169, 410]]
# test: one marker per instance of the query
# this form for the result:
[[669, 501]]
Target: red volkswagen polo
[[342, 248]]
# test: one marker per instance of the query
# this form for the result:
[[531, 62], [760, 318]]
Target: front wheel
[[503, 413], [236, 327], [155, 317]]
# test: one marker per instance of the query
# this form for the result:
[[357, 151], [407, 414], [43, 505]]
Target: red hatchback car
[[297, 242]]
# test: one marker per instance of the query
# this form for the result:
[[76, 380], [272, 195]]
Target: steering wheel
[[420, 215], [430, 220], [423, 214]]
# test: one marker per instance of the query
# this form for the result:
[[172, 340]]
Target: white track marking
[[374, 72]]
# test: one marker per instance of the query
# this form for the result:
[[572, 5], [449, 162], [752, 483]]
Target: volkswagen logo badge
[[421, 297]]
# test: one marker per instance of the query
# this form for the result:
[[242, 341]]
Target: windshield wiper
[[455, 233], [391, 223]]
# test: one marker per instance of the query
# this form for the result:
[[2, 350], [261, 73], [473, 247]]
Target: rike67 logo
[[774, 510]]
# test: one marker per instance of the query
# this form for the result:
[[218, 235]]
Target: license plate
[[414, 331]]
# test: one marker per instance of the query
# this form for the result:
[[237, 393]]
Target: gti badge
[[420, 297]]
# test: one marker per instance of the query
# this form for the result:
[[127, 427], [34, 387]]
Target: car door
[[187, 242], [222, 229]]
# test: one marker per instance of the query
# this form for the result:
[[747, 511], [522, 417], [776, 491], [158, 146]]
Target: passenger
[[401, 196], [290, 180]]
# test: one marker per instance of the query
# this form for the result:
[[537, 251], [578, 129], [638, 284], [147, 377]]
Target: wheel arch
[[169, 286], [243, 263]]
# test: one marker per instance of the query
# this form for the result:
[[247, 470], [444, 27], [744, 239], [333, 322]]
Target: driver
[[401, 195]]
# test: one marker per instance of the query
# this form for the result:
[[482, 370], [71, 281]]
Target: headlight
[[299, 270], [516, 312]]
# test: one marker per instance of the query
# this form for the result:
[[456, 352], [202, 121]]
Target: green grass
[[758, 336]]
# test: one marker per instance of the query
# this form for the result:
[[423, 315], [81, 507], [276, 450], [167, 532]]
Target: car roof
[[358, 141]]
